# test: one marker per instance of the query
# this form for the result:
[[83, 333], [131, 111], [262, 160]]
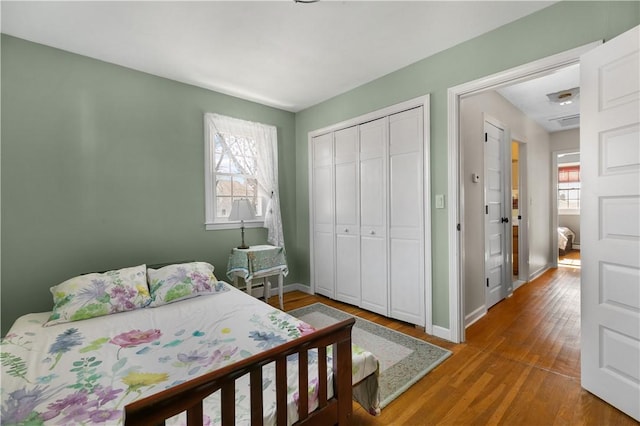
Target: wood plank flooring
[[520, 364]]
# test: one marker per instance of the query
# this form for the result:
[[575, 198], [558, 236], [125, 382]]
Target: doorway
[[567, 186], [519, 246], [457, 234]]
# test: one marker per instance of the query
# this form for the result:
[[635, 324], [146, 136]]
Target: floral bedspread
[[85, 372]]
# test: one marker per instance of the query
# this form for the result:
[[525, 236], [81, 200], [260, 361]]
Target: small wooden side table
[[262, 261]]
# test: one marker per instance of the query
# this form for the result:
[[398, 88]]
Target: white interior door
[[347, 216], [323, 215], [373, 216], [610, 222], [406, 216], [496, 218]]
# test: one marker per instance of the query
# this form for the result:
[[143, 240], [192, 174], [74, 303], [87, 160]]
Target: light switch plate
[[439, 201]]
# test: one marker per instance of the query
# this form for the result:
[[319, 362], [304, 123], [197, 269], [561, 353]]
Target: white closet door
[[323, 215], [373, 216], [347, 216], [406, 233]]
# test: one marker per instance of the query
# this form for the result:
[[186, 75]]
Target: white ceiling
[[279, 53], [531, 98]]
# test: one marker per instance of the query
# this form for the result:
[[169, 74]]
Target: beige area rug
[[403, 359]]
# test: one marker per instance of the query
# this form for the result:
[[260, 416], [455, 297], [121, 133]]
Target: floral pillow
[[182, 281], [94, 295]]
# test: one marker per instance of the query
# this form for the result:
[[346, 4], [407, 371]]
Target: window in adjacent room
[[241, 162], [569, 188]]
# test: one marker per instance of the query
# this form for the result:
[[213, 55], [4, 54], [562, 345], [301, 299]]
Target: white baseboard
[[441, 332], [285, 289], [474, 316], [576, 246], [539, 272], [517, 284], [297, 286]]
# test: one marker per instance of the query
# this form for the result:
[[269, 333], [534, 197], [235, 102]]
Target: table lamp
[[242, 210]]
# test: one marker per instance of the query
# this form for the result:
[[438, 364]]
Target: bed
[[565, 240], [147, 364]]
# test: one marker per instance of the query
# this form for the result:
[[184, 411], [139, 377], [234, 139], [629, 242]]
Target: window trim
[[233, 225]]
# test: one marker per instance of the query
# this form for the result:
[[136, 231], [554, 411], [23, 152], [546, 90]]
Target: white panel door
[[496, 217], [347, 216], [323, 215], [406, 216], [373, 216], [610, 221]]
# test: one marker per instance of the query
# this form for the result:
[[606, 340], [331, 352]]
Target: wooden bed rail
[[188, 396]]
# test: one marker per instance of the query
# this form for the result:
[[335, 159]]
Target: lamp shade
[[242, 210]]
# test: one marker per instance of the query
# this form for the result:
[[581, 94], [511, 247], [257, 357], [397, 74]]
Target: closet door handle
[[346, 229], [372, 232]]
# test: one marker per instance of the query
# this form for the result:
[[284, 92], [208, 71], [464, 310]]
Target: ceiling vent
[[567, 120], [564, 97]]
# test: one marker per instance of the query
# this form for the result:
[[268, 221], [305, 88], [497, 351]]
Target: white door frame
[[519, 74]]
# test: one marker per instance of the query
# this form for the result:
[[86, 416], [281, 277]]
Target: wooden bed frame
[[188, 396]]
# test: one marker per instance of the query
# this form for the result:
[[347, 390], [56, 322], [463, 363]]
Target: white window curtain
[[266, 138]]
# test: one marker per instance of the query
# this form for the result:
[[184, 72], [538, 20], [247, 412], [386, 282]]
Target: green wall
[[552, 30], [103, 167]]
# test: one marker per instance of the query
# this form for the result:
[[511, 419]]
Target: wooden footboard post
[[342, 363]]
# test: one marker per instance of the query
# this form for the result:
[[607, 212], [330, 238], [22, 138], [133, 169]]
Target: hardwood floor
[[570, 259], [519, 366]]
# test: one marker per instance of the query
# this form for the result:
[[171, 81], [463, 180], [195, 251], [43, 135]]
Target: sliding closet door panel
[[346, 145], [406, 193], [347, 269], [373, 216], [406, 229], [347, 213], [373, 176], [346, 172], [323, 263], [372, 195], [406, 281], [374, 274], [323, 202], [347, 234], [323, 215], [346, 195]]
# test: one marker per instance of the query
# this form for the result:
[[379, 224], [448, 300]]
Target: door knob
[[372, 232]]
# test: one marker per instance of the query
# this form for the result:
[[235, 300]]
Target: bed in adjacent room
[[69, 367], [565, 240]]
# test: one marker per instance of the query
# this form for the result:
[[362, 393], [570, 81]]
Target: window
[[235, 173], [569, 189], [241, 161]]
